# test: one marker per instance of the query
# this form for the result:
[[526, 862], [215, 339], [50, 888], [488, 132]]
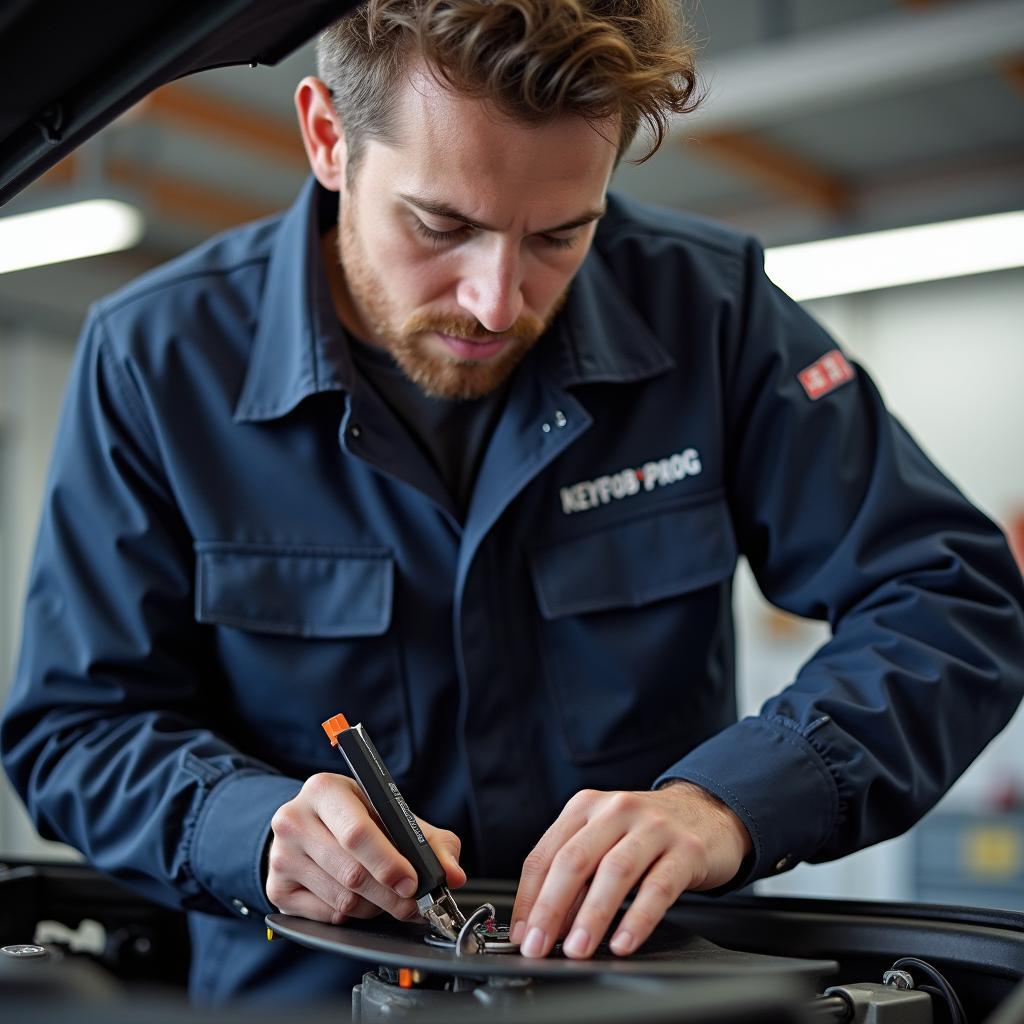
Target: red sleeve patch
[[825, 375]]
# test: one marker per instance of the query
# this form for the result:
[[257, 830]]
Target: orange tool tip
[[334, 727], [405, 977]]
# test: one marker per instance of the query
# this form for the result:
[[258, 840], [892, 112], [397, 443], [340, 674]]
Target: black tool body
[[399, 822]]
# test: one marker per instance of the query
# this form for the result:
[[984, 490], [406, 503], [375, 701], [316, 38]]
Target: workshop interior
[[876, 149]]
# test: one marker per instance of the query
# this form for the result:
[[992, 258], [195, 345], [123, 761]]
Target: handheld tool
[[433, 897]]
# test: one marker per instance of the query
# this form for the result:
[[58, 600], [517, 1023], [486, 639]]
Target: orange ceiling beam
[[168, 195], [62, 173], [223, 119], [776, 168], [175, 198], [1013, 72]]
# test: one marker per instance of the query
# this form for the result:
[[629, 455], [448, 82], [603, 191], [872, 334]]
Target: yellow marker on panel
[[992, 851]]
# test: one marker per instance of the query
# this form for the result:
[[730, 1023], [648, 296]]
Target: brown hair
[[535, 60]]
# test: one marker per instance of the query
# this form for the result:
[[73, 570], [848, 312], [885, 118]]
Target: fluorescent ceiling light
[[60, 233], [884, 259]]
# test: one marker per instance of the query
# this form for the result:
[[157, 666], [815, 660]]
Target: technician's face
[[458, 243]]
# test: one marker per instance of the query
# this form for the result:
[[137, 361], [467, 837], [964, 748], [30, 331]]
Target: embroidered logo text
[[589, 494]]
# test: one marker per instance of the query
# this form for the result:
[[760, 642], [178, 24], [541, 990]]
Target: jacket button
[[560, 420], [546, 427], [240, 907], [784, 863], [354, 430]]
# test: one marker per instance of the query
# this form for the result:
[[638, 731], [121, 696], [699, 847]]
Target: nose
[[491, 286]]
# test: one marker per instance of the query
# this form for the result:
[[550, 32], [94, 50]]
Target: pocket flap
[[663, 554], [307, 592]]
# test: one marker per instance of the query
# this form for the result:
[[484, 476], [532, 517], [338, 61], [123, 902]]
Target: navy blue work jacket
[[240, 540]]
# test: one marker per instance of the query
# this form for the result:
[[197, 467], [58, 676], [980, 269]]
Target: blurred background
[[824, 119]]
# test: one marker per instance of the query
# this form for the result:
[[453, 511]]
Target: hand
[[676, 838], [330, 860]]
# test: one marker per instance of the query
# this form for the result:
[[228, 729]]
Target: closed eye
[[440, 238]]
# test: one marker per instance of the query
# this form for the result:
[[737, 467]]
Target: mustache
[[526, 327]]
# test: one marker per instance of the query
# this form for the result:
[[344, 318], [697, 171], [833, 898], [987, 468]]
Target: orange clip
[[405, 977], [334, 727]]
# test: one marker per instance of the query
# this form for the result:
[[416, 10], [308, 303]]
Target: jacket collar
[[299, 347], [601, 338]]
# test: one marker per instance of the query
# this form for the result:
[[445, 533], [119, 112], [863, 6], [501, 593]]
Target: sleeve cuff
[[771, 777], [230, 837]]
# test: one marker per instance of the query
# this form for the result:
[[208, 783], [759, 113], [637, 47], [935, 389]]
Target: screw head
[[898, 979]]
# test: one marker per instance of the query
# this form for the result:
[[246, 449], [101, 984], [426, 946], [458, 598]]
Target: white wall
[[33, 372]]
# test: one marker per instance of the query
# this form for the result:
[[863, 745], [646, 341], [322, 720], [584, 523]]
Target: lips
[[475, 351]]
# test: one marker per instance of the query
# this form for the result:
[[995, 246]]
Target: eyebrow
[[439, 209]]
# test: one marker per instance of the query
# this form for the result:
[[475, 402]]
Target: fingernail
[[577, 943], [622, 943], [405, 888], [534, 944], [516, 935]]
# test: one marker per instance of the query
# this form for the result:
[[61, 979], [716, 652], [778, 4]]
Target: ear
[[322, 134]]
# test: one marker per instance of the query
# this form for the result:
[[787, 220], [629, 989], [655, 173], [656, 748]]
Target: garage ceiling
[[822, 117]]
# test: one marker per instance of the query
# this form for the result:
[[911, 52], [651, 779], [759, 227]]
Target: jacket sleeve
[[842, 517], [111, 731]]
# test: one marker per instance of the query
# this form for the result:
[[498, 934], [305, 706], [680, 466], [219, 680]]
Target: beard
[[436, 373]]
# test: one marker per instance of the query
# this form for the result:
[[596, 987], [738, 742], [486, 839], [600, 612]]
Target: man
[[467, 448]]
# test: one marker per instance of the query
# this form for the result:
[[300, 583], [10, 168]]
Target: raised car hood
[[68, 68]]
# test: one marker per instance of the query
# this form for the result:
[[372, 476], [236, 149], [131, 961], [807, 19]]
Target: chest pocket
[[303, 634], [635, 630]]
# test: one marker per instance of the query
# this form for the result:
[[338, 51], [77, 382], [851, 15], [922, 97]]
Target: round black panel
[[673, 951]]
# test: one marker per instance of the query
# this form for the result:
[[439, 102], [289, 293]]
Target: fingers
[[573, 911], [667, 841], [302, 903], [335, 879], [338, 803], [572, 867], [537, 864], [331, 860], [664, 883], [619, 871], [346, 902], [313, 894]]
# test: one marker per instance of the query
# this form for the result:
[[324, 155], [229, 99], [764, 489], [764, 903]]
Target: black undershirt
[[453, 434]]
